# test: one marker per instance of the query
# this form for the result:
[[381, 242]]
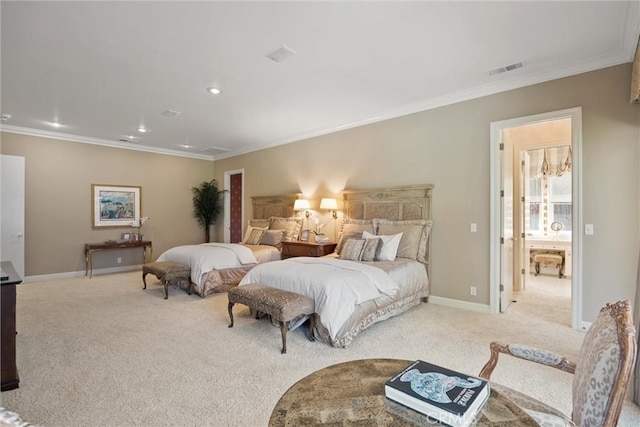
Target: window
[[550, 201]]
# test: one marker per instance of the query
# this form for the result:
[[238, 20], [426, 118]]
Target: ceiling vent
[[171, 113], [506, 68], [281, 53], [216, 150], [5, 117]]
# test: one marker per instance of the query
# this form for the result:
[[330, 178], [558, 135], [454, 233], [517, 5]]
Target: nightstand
[[293, 249]]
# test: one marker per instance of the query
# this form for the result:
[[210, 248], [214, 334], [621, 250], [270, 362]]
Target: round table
[[354, 392]]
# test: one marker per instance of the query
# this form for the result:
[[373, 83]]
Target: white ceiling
[[102, 69]]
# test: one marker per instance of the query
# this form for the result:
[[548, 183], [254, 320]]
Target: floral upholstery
[[601, 377]]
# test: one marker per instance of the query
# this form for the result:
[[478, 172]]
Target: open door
[[12, 182], [508, 240]]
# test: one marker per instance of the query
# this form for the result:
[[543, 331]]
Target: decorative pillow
[[259, 223], [371, 250], [291, 227], [389, 245], [255, 236], [272, 238], [247, 233], [353, 225], [344, 237], [352, 249], [415, 236]]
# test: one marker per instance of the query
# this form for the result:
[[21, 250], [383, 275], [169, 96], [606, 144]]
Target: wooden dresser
[[8, 368], [294, 249]]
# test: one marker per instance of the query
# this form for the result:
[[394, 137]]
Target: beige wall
[[449, 147], [58, 200]]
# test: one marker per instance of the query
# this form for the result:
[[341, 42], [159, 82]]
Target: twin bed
[[379, 270]]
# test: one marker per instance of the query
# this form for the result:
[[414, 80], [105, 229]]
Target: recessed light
[[186, 145], [55, 124], [142, 129], [214, 90]]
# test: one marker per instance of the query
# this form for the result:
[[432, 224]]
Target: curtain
[[636, 321], [554, 161], [635, 77]]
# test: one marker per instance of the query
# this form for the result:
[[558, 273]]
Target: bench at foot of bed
[[282, 306], [167, 272]]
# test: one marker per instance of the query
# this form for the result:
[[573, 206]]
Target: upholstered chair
[[600, 377]]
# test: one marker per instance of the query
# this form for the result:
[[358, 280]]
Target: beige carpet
[[103, 352]]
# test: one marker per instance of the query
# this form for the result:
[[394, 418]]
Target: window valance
[[553, 161]]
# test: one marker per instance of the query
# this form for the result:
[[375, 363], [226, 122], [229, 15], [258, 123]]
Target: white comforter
[[335, 285], [208, 256]]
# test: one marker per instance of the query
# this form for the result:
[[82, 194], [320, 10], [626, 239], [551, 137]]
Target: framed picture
[[115, 206], [304, 237]]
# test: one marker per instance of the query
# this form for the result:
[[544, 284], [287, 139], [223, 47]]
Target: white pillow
[[390, 245], [247, 233]]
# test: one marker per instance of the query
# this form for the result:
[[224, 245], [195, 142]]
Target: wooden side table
[[353, 393], [9, 378], [294, 249], [90, 248]]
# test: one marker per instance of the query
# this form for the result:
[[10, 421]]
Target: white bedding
[[337, 286], [209, 256]]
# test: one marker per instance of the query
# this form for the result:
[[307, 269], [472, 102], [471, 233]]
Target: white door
[[12, 211], [525, 191], [508, 240]]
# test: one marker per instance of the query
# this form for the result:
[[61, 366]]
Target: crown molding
[[103, 142]]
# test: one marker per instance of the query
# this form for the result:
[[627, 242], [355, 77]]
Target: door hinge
[[501, 288], [501, 193], [522, 271], [522, 235], [522, 199], [502, 145], [502, 240]]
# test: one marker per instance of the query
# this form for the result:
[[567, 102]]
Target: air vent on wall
[[281, 53], [506, 68]]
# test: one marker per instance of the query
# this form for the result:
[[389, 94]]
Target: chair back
[[604, 369]]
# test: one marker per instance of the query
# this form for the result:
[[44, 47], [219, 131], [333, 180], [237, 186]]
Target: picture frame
[[304, 236], [115, 205]]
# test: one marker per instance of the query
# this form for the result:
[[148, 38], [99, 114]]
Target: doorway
[[523, 211], [12, 183], [234, 205]]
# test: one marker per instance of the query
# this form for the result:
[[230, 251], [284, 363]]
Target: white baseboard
[[70, 274], [464, 305]]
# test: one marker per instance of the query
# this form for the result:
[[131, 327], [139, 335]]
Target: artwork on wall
[[115, 206]]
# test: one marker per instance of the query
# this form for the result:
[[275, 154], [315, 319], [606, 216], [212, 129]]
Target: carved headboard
[[265, 207], [394, 203]]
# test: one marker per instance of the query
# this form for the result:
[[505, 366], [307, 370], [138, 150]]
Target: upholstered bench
[[167, 272], [548, 258], [282, 306]]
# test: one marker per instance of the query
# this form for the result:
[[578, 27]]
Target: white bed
[[350, 294], [216, 267]]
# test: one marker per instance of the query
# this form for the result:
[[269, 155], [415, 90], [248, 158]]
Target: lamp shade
[[301, 204], [329, 204]]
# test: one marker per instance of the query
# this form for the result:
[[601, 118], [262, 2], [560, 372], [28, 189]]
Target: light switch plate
[[588, 229], [474, 227]]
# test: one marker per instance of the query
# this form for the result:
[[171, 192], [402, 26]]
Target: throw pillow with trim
[[255, 236], [272, 238], [352, 249], [371, 249]]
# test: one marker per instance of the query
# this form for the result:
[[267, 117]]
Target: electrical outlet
[[474, 227], [473, 291], [119, 260]]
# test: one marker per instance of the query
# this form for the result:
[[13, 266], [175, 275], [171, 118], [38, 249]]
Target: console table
[[353, 393], [9, 378], [90, 248]]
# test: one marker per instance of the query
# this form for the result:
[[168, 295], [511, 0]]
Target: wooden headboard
[[394, 203], [265, 207]]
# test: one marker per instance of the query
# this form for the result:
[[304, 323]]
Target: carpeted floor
[[103, 352]]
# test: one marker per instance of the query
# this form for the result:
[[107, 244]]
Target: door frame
[[495, 213], [227, 202]]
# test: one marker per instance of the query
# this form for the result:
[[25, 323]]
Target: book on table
[[440, 393]]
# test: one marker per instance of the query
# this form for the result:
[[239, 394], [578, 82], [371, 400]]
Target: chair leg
[[144, 280], [537, 267], [166, 289]]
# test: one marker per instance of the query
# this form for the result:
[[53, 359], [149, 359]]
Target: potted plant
[[207, 205]]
